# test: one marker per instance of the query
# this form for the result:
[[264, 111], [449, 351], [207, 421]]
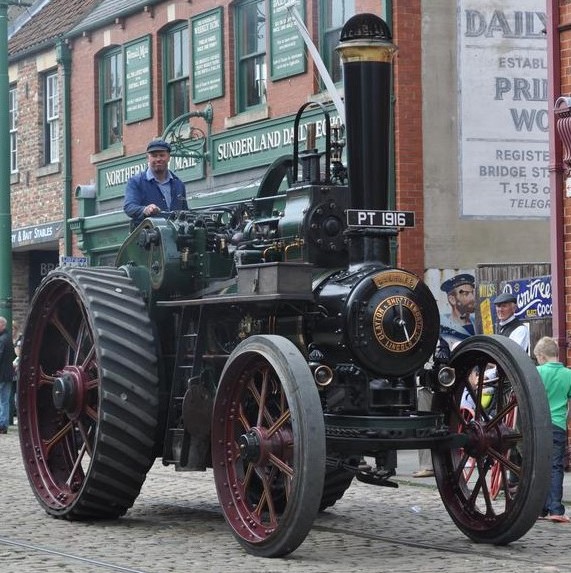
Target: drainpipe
[[556, 180], [64, 60], [387, 16], [5, 215]]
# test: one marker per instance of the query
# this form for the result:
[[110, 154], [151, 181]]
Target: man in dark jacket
[[7, 356], [508, 324], [156, 189]]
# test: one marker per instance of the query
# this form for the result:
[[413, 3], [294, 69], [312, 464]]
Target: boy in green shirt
[[557, 381]]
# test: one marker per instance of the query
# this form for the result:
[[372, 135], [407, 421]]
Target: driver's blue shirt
[[143, 189]]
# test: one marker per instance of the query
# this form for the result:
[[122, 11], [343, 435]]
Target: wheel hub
[[257, 444], [249, 445], [481, 439], [67, 392]]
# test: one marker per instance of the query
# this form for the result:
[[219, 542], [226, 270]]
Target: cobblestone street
[[176, 526]]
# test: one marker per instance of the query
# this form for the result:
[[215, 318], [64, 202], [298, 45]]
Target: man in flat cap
[[508, 323], [461, 295], [511, 326], [156, 189]]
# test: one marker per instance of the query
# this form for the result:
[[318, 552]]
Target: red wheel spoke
[[89, 359], [262, 398], [70, 340], [248, 475], [76, 470], [243, 418], [279, 423], [45, 379], [282, 466], [266, 502], [85, 437], [57, 438], [91, 413]]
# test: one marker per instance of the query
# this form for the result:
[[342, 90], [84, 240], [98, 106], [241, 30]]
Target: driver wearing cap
[[156, 189]]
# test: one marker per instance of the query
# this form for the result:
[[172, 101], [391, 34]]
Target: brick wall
[[20, 295], [36, 192], [37, 196], [408, 132]]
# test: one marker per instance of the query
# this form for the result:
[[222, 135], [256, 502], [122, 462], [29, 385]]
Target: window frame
[[13, 127], [245, 56], [111, 64], [332, 20], [177, 81], [52, 124]]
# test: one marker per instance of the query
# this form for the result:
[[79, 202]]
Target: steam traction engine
[[269, 339]]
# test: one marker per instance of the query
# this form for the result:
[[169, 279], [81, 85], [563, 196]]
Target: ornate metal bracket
[[187, 140], [562, 112]]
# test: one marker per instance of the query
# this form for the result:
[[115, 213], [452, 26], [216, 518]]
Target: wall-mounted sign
[[207, 56], [287, 46], [502, 71], [137, 62], [73, 261], [112, 177], [46, 233], [260, 144], [533, 299]]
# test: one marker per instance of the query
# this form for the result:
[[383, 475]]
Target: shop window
[[51, 118], [177, 84], [13, 126], [334, 14], [251, 73], [111, 78]]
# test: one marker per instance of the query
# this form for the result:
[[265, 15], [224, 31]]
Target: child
[[557, 381]]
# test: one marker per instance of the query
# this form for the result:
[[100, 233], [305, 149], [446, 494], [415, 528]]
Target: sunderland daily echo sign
[[502, 69]]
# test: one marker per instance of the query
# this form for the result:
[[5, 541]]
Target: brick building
[[39, 177], [161, 28]]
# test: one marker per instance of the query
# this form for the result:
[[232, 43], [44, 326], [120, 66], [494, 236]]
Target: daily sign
[[367, 218]]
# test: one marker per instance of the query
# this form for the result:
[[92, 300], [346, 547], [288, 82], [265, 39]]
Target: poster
[[503, 119]]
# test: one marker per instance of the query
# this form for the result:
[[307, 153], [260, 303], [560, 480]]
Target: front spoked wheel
[[268, 446], [495, 485]]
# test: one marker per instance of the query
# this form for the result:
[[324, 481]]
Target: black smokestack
[[366, 52]]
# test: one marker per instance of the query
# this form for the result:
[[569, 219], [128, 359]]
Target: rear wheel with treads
[[87, 393]]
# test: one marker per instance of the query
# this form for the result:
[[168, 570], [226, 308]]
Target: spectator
[[488, 389], [512, 327], [17, 340], [509, 325], [6, 374], [557, 381], [156, 189]]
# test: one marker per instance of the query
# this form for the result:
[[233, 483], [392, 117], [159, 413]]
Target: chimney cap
[[365, 27]]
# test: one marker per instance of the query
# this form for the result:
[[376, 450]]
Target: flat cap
[[158, 145], [505, 297], [456, 281]]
